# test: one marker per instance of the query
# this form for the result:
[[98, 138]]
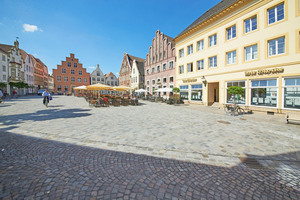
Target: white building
[[111, 79], [28, 71], [15, 64], [97, 76], [137, 75], [3, 68]]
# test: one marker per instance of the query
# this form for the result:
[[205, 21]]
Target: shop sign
[[264, 71], [189, 80]]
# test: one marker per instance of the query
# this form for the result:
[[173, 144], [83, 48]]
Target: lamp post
[[204, 81]]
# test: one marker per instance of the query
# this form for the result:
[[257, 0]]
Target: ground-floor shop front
[[275, 89]]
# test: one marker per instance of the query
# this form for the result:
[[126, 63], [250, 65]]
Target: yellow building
[[254, 44]]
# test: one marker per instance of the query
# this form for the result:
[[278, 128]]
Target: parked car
[[40, 92]]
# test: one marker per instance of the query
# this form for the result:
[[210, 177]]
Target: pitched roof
[[23, 54], [139, 62], [5, 47], [211, 12], [110, 73]]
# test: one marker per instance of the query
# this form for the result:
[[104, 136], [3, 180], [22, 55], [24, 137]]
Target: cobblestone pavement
[[32, 168], [193, 152]]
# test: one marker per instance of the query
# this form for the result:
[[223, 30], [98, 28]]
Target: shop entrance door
[[213, 93]]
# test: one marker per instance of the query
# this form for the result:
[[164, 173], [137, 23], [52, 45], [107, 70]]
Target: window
[[4, 77], [196, 92], [239, 99], [171, 65], [72, 79], [181, 53], [133, 71], [80, 72], [231, 57], [181, 69], [4, 68], [75, 65], [250, 24], [93, 79], [153, 82], [69, 64], [158, 80], [3, 58], [184, 92], [213, 40], [98, 79], [147, 71], [102, 79], [276, 14], [190, 49], [116, 83], [231, 32], [98, 73], [190, 67], [171, 79], [79, 80], [152, 69], [85, 80], [158, 68], [63, 71], [200, 45], [292, 93], [213, 62], [164, 80], [164, 66], [66, 79], [72, 71], [276, 46], [66, 88], [200, 64], [112, 78], [251, 53], [59, 88], [264, 92], [148, 82]]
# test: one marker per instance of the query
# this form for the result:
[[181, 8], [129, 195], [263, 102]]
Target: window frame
[[273, 6], [190, 49], [209, 67], [276, 38], [198, 61], [63, 70], [251, 24], [215, 41], [231, 31], [181, 53], [236, 57], [251, 45], [198, 45], [190, 69], [284, 86], [181, 71]]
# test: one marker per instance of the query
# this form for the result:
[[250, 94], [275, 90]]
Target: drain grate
[[224, 122], [251, 163]]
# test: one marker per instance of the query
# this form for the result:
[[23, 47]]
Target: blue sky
[[96, 31]]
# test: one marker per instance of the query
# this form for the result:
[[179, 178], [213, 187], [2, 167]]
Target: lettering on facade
[[264, 71], [190, 80]]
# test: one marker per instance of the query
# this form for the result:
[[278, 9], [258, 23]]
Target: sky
[[96, 31]]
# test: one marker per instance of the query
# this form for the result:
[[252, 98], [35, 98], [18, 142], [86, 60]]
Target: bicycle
[[234, 109], [46, 102]]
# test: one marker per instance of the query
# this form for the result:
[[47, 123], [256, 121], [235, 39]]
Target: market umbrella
[[99, 87], [83, 87], [121, 88], [141, 90]]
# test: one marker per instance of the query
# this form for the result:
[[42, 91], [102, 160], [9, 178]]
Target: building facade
[[97, 76], [3, 69], [15, 66], [38, 74], [111, 79], [253, 44], [70, 74], [28, 72], [126, 70], [160, 63], [137, 75], [50, 83]]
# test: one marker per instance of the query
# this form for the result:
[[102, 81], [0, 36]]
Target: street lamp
[[204, 81]]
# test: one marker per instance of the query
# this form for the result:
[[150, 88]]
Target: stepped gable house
[[126, 69], [70, 74], [160, 63]]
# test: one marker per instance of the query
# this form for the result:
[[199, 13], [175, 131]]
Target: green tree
[[3, 85], [236, 91], [176, 90]]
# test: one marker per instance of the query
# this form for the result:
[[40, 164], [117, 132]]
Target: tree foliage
[[176, 90], [236, 90], [3, 85]]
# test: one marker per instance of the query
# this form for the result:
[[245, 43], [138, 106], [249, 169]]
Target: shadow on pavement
[[44, 115], [38, 168]]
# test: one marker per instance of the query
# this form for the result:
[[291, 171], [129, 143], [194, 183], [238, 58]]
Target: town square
[[150, 99]]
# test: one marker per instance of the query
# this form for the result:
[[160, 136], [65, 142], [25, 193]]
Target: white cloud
[[117, 73], [91, 67], [31, 28]]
